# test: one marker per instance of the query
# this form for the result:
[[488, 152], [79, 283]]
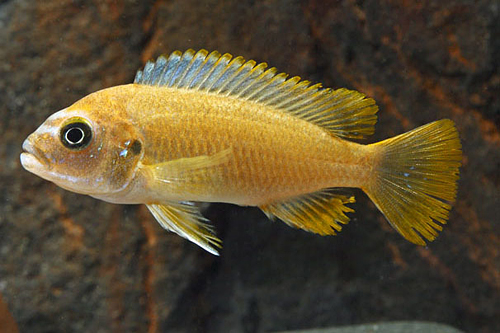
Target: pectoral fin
[[318, 212], [185, 168], [185, 220]]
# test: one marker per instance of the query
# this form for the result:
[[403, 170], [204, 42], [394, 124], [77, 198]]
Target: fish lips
[[33, 159]]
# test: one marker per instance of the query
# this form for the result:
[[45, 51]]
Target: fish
[[198, 127]]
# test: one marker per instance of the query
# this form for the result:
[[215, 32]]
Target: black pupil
[[76, 135]]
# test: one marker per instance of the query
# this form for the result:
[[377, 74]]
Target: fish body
[[273, 155], [202, 127]]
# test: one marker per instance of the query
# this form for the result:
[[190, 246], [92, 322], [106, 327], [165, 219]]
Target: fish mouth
[[33, 158]]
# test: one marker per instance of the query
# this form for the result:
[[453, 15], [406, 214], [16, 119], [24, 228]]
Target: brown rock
[[7, 323]]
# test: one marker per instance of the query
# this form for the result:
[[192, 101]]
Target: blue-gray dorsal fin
[[343, 112]]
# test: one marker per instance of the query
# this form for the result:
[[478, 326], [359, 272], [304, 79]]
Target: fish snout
[[33, 158]]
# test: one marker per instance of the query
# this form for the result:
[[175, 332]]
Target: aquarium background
[[70, 263]]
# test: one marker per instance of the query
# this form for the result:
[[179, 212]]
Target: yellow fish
[[200, 127]]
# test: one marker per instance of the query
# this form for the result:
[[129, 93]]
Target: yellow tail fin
[[416, 179]]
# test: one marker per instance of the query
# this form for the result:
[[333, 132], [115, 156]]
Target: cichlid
[[200, 127]]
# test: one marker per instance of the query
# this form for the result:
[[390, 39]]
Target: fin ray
[[342, 112], [417, 179], [179, 169], [192, 70], [185, 220], [320, 212]]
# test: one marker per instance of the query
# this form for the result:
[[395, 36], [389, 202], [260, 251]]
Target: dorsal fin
[[343, 112]]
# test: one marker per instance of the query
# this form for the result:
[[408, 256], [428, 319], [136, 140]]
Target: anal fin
[[320, 212], [185, 220]]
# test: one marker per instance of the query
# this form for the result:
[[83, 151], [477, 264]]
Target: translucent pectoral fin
[[185, 220], [318, 212], [182, 169]]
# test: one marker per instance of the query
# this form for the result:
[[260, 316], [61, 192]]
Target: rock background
[[69, 263]]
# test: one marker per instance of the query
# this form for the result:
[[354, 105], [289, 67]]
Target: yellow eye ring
[[76, 135]]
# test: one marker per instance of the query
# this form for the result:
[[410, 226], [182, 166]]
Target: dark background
[[72, 263]]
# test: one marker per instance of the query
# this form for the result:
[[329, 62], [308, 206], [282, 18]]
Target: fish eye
[[76, 135]]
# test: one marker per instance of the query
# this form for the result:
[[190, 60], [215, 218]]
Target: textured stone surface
[[390, 327], [71, 263]]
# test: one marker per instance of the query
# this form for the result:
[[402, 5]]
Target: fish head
[[83, 151]]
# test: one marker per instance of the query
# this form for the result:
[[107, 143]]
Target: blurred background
[[70, 263]]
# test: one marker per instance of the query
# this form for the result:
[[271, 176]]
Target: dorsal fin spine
[[148, 68], [269, 74], [239, 77], [256, 86], [224, 75], [273, 88], [302, 98], [192, 69], [285, 91], [207, 66], [175, 71], [216, 72], [172, 62], [294, 95], [157, 69], [180, 71], [234, 68], [252, 76], [270, 86], [305, 99], [228, 75], [320, 103]]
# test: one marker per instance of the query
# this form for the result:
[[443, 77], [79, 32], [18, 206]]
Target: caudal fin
[[416, 179]]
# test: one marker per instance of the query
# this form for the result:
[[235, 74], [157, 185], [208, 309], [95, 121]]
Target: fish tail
[[415, 180]]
